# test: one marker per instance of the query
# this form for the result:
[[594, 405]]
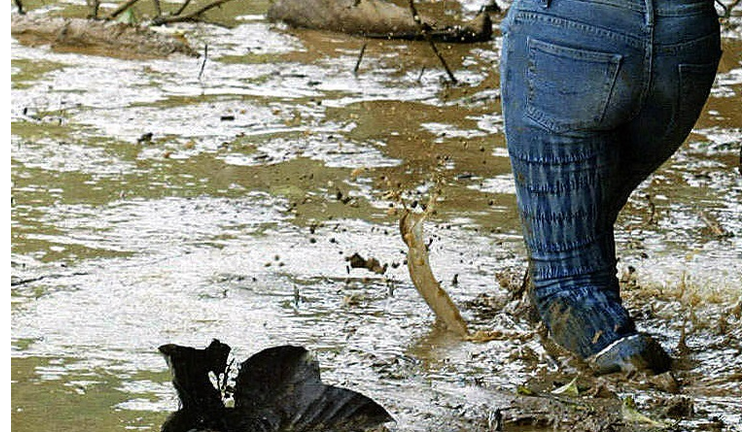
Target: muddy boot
[[636, 352], [594, 324]]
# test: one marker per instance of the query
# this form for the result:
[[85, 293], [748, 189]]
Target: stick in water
[[360, 57]]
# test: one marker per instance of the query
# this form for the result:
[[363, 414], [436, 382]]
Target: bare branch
[[157, 8], [424, 29], [120, 9], [182, 8], [94, 5], [203, 63], [360, 57], [193, 16]]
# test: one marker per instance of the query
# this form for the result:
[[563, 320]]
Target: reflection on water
[[153, 204]]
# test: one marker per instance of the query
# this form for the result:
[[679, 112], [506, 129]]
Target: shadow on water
[[156, 204]]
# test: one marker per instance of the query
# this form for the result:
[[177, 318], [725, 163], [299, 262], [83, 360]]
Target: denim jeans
[[596, 95]]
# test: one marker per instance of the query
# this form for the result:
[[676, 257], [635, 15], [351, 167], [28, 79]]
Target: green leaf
[[525, 391], [568, 389]]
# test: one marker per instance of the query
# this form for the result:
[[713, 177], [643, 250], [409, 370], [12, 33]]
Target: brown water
[[269, 168]]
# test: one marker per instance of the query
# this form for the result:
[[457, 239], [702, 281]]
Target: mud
[[179, 200]]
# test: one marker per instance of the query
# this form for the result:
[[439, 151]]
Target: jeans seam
[[563, 247], [544, 274], [686, 9], [540, 160], [649, 51], [634, 6], [575, 293], [566, 186], [524, 15], [558, 217], [678, 48]]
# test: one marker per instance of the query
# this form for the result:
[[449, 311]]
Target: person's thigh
[[683, 68]]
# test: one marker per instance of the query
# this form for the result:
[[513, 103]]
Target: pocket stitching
[[611, 61], [687, 70]]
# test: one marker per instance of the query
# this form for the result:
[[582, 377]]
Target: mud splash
[[156, 203]]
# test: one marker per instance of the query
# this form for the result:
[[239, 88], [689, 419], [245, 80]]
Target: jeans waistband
[[660, 7]]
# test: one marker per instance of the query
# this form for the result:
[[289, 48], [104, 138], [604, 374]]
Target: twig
[[182, 8], [38, 278], [26, 281], [651, 207], [427, 36], [94, 4], [203, 63], [189, 16], [443, 62], [157, 8], [731, 7], [120, 9], [360, 57]]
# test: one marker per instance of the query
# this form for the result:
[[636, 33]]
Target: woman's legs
[[590, 111]]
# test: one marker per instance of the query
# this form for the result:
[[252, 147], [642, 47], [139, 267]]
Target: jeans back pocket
[[568, 88], [695, 82]]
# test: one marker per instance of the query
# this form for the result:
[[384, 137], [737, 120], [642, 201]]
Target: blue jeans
[[596, 95]]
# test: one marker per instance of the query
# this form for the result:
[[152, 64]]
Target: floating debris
[[277, 389], [372, 264]]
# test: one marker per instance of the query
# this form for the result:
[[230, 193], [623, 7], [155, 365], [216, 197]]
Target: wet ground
[[184, 199]]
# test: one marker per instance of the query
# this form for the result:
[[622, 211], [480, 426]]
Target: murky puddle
[[155, 201]]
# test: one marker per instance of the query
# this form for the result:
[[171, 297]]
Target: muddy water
[[180, 200]]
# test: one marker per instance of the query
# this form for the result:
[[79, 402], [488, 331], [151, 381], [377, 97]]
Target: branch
[[189, 16], [182, 8], [19, 282], [730, 7], [427, 36], [360, 57], [94, 5], [203, 63], [120, 9], [157, 8]]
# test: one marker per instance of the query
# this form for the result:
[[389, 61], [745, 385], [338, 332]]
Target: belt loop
[[546, 3]]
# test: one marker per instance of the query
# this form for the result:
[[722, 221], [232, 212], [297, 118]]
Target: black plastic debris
[[277, 389]]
